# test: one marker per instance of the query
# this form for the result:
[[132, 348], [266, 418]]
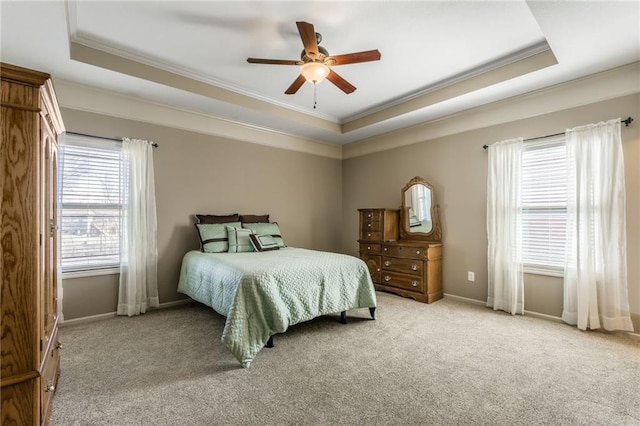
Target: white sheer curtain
[[420, 201], [139, 254], [595, 280], [504, 227]]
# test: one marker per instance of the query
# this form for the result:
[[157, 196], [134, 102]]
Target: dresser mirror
[[419, 213]]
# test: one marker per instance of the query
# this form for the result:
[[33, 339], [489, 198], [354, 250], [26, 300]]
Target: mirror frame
[[436, 232]]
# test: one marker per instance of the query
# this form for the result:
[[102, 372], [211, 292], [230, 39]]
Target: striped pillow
[[213, 236], [239, 241]]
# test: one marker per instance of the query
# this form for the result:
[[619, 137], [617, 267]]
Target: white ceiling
[[438, 58]]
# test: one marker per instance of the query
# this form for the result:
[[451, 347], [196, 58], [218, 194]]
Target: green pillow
[[266, 229], [213, 236], [239, 239]]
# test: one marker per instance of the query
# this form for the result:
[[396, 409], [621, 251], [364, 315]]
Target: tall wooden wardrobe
[[31, 123]]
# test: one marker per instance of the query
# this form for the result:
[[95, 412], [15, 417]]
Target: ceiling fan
[[316, 62]]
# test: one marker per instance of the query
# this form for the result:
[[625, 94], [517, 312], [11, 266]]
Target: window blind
[[92, 190], [544, 203]]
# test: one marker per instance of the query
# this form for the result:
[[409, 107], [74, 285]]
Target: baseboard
[[543, 316], [536, 314], [108, 315], [632, 335], [465, 299], [176, 303], [84, 320]]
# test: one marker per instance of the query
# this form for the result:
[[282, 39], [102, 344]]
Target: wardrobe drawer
[[403, 281], [406, 266], [49, 378]]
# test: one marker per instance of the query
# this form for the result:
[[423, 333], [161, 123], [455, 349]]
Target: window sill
[[90, 273]]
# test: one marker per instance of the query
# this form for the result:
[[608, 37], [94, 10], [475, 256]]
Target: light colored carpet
[[446, 363]]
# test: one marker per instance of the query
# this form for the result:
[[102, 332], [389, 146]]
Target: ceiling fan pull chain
[[315, 102]]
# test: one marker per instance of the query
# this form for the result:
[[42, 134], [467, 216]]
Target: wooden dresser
[[31, 123], [410, 266]]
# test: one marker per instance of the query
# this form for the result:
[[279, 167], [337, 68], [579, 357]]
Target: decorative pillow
[[239, 240], [263, 242], [212, 218], [213, 236], [252, 218], [271, 229]]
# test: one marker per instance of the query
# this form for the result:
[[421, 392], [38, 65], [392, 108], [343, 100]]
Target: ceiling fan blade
[[274, 61], [308, 36], [342, 84], [353, 58], [297, 84]]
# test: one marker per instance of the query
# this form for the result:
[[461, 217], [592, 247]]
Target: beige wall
[[315, 199], [457, 167], [198, 173]]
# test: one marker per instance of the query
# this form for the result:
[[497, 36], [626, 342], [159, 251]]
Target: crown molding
[[517, 65], [615, 83], [611, 84], [100, 53], [90, 99], [137, 69], [533, 50]]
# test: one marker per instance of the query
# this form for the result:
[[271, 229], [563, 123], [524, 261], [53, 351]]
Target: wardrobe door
[[49, 235]]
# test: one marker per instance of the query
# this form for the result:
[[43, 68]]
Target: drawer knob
[[50, 388], [387, 263], [417, 251], [387, 278], [414, 283], [385, 249], [369, 215], [378, 269], [369, 225], [368, 235], [368, 247], [414, 267]]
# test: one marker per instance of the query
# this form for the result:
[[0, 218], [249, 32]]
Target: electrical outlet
[[471, 276]]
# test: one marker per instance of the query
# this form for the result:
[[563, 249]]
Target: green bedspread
[[263, 293]]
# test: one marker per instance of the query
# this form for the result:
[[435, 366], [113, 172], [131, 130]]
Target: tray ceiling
[[438, 58]]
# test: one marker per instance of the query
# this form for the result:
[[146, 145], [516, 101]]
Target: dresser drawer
[[403, 281], [374, 225], [371, 236], [371, 215], [406, 266], [409, 252], [370, 248]]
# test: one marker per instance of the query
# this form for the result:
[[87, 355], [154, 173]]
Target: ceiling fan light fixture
[[314, 72]]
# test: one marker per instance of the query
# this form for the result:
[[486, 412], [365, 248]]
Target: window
[[544, 205], [92, 184]]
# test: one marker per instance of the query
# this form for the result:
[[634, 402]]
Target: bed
[[422, 226], [263, 293]]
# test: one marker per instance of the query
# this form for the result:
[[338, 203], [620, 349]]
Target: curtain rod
[[155, 145], [626, 122]]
